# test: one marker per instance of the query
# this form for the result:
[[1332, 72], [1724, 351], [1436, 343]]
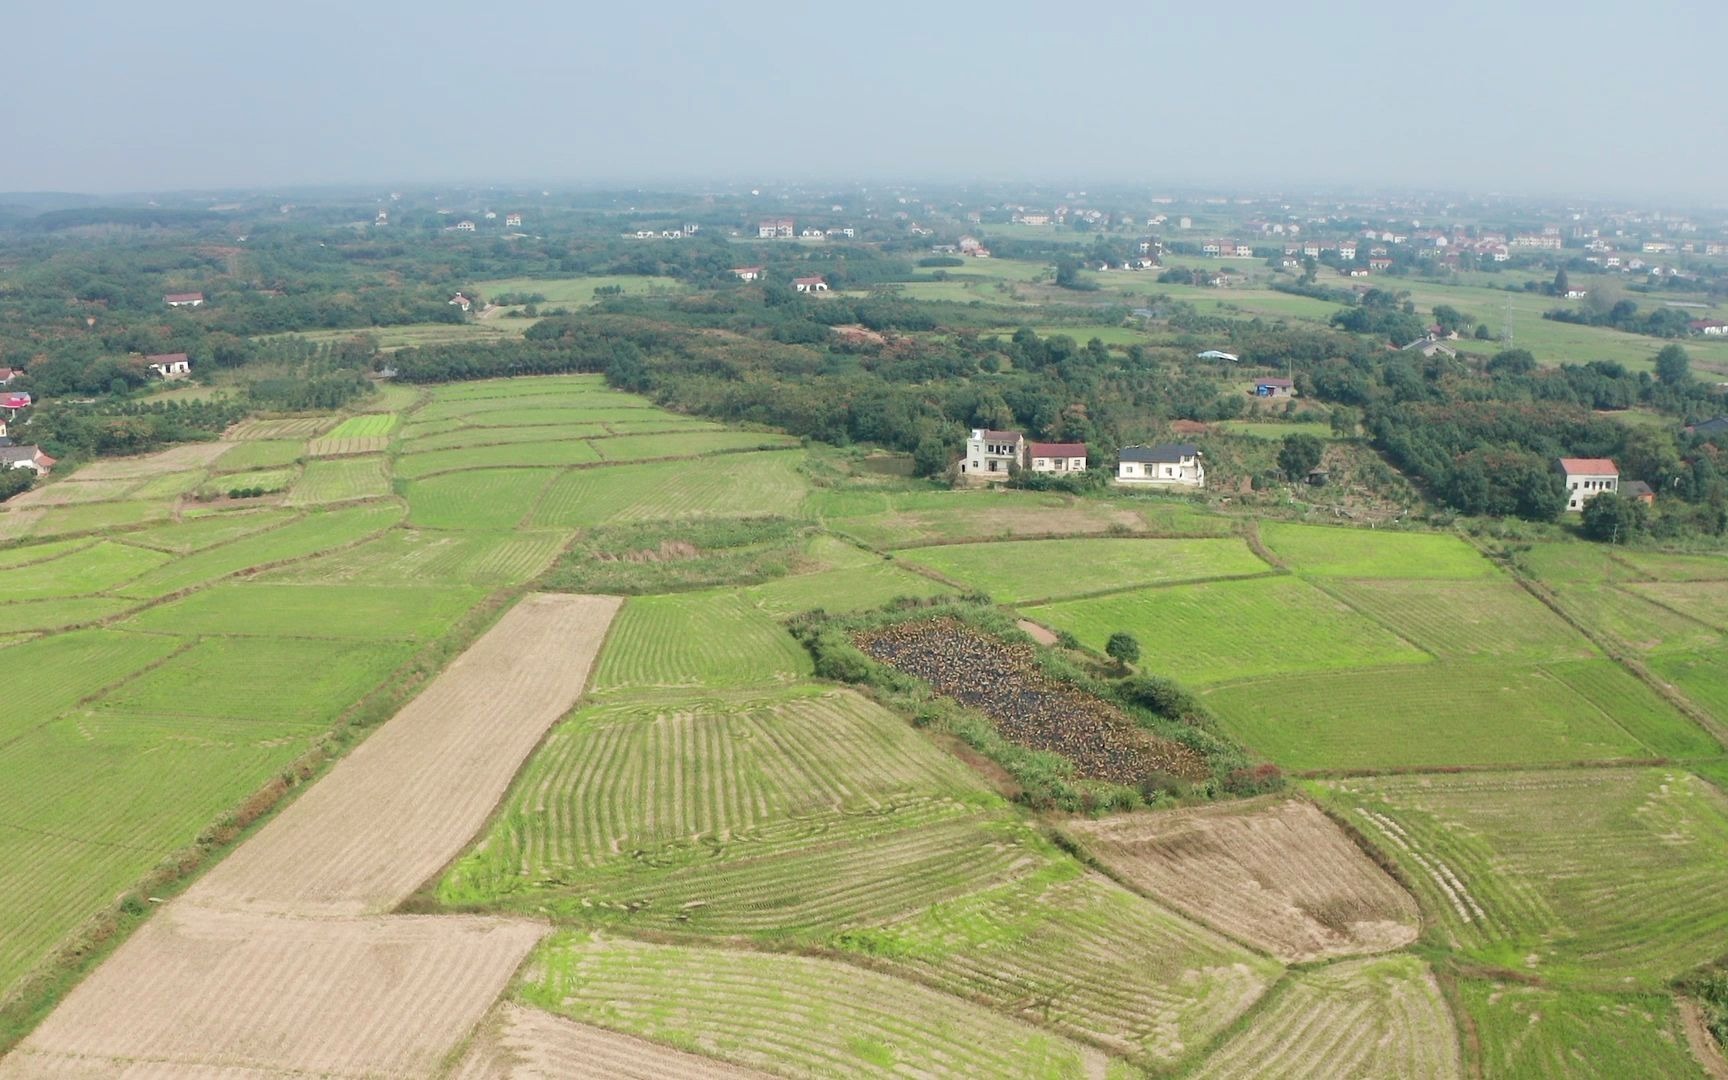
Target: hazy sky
[[1591, 97]]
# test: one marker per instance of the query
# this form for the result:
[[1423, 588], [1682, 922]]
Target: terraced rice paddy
[[1030, 570], [260, 454], [1488, 618], [1225, 630], [1379, 1017], [494, 500], [730, 485], [1610, 878], [700, 640], [1279, 876], [341, 480], [408, 557], [525, 455]]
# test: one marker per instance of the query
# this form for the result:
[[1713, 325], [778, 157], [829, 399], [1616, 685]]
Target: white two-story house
[[991, 455], [1169, 465], [1587, 478]]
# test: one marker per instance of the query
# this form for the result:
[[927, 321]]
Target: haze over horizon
[[1471, 97]]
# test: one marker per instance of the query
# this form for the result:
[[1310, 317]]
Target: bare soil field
[[178, 459], [1004, 683], [239, 994], [1279, 876], [404, 803], [519, 1043]]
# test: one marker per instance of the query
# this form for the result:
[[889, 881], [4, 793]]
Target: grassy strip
[[660, 557]]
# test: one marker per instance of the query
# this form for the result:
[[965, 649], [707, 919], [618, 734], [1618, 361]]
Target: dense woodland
[[81, 296]]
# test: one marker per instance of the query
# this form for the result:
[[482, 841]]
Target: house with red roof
[[26, 457], [1059, 458], [14, 402], [992, 455], [7, 375], [1587, 478], [1713, 327], [810, 284]]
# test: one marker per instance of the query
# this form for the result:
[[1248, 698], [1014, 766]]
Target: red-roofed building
[[810, 284], [1713, 327], [1587, 478], [1050, 457], [184, 299], [14, 402], [25, 457], [7, 375]]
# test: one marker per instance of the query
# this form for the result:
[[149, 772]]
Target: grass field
[[696, 640], [308, 535], [1530, 1032], [1029, 570], [1486, 617], [341, 480], [1368, 553], [260, 454], [491, 499], [1476, 713], [1613, 879], [1227, 630], [1272, 429], [577, 291], [790, 1014], [347, 611], [556, 452], [407, 557], [766, 483]]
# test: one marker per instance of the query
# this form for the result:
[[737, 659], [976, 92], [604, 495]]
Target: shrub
[[1123, 647]]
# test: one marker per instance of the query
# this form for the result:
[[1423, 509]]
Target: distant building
[[7, 375], [461, 301], [775, 228], [1217, 354], [14, 403], [465, 226], [810, 284], [1708, 326], [1274, 388], [1169, 465], [1430, 345], [1576, 292], [747, 273], [184, 299], [1638, 489], [1587, 478], [170, 365], [513, 221], [25, 457], [383, 218], [1061, 458], [1714, 428], [992, 455]]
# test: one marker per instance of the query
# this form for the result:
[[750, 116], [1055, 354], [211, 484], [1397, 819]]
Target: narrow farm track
[[279, 961]]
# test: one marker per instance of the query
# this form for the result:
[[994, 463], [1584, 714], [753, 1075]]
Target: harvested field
[[441, 437], [682, 443], [986, 521], [793, 811], [1027, 570], [393, 812], [341, 480], [1381, 1017], [699, 640], [1005, 683], [519, 1043], [790, 1014], [1220, 630], [18, 523], [203, 989], [177, 459], [75, 490], [1076, 953], [294, 427], [1532, 1033], [1642, 624], [850, 588], [1594, 877], [412, 557], [1279, 876], [526, 455]]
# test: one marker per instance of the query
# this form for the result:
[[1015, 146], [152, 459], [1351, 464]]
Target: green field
[[1465, 713], [366, 426], [1603, 879], [693, 641], [765, 483], [1531, 1032], [348, 612], [1030, 570], [492, 499], [260, 454], [1369, 553], [340, 480], [577, 291], [1230, 630], [1491, 618], [527, 455]]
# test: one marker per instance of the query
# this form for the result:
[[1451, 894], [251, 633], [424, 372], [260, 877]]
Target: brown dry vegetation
[[1279, 876], [1028, 707], [519, 1043]]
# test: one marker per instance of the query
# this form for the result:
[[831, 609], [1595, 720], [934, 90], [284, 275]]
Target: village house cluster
[[994, 456]]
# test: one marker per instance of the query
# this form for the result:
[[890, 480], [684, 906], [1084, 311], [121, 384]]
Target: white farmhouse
[[169, 365], [991, 455], [1169, 465], [1587, 478], [1060, 458]]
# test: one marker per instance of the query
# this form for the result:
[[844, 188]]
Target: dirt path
[[1703, 1044], [1036, 632], [279, 961]]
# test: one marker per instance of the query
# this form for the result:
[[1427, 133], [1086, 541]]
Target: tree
[[1673, 366], [1612, 518], [1300, 455], [931, 456], [1561, 285], [1512, 362], [1123, 647]]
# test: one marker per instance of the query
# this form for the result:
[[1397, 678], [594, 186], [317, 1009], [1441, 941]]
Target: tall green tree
[[1673, 366]]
